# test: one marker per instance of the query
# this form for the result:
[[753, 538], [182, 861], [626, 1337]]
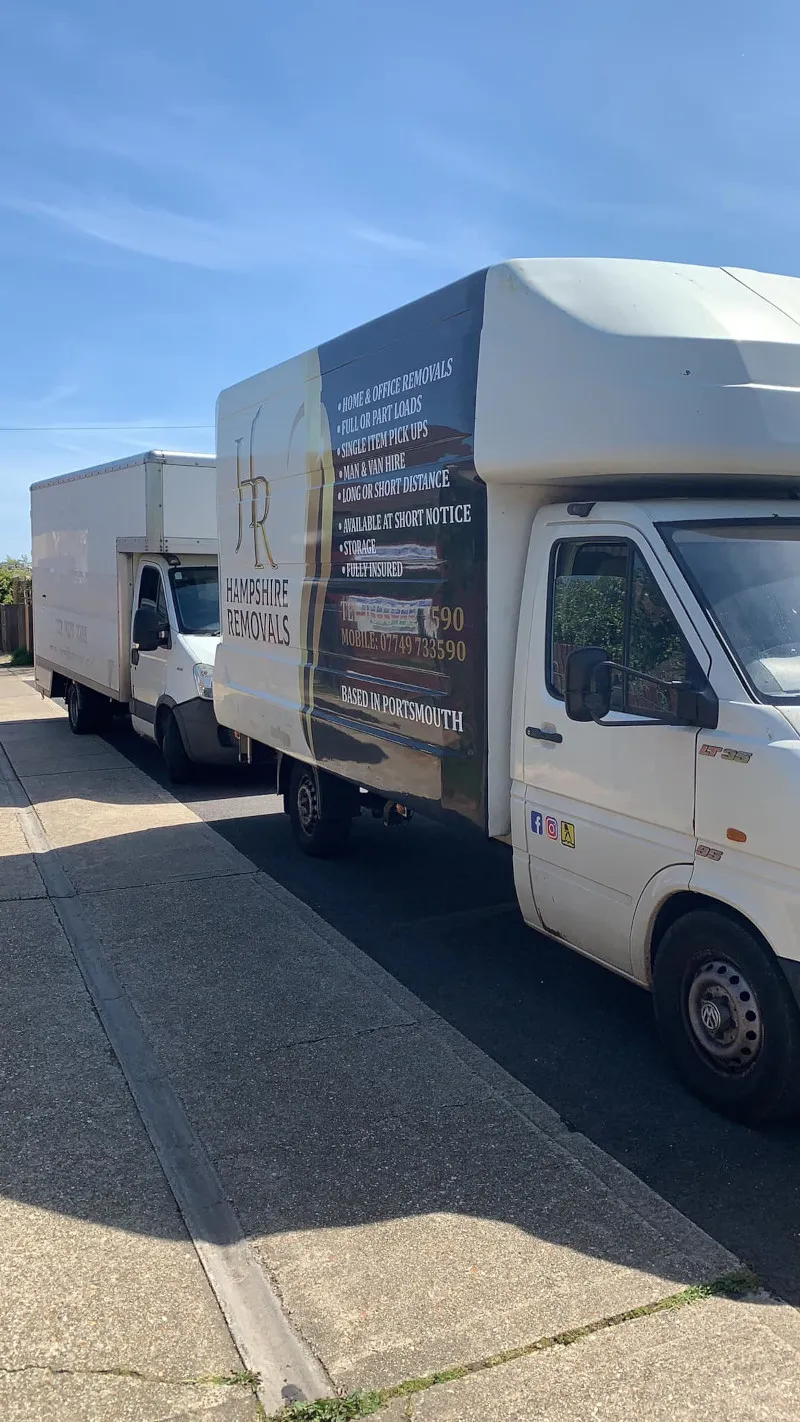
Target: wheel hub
[[724, 1015], [307, 806]]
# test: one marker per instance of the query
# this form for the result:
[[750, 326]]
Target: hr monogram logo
[[255, 483]]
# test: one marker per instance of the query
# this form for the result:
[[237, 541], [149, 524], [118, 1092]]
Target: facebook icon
[[536, 822]]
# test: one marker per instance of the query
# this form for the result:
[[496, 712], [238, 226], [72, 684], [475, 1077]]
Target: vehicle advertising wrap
[[353, 545]]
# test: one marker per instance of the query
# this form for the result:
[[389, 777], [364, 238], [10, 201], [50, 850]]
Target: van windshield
[[747, 574], [195, 592]]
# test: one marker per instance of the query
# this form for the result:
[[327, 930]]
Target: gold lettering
[[257, 485]]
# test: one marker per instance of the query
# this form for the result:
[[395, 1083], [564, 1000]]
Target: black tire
[[180, 768], [728, 1018], [321, 829], [82, 709]]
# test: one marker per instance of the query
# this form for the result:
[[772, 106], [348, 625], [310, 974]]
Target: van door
[[149, 669], [606, 807]]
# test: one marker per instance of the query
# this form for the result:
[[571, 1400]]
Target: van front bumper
[[205, 740]]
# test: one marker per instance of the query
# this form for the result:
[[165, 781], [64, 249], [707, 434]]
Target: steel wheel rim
[[724, 1016], [307, 803]]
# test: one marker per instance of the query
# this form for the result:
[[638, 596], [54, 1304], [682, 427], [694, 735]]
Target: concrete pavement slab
[[58, 758], [19, 877], [82, 1295], [36, 748], [221, 982], [354, 1143], [34, 1036], [32, 963], [422, 1240], [18, 704], [60, 1397], [21, 732], [321, 1090], [96, 1271], [411, 1217], [716, 1359], [115, 828], [19, 729]]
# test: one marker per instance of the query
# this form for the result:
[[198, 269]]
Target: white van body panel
[[77, 595], [87, 527]]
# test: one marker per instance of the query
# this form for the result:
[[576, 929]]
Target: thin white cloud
[[465, 248], [176, 137], [255, 241], [237, 189], [210, 243], [390, 241]]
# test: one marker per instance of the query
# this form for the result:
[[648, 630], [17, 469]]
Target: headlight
[[204, 680]]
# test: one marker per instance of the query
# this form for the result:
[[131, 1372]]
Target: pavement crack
[[740, 1284], [345, 1035], [235, 1379], [163, 883]]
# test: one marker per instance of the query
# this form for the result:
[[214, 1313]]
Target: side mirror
[[587, 686], [696, 708], [145, 629], [587, 694]]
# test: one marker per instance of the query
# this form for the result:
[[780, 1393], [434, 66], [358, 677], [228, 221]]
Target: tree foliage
[[11, 568], [592, 613]]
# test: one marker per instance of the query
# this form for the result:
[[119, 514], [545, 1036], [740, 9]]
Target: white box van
[[126, 600], [526, 554]]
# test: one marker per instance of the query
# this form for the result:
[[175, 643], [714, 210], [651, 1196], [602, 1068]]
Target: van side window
[[151, 594], [604, 595], [656, 644], [587, 603]]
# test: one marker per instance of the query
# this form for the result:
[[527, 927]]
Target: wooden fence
[[16, 626]]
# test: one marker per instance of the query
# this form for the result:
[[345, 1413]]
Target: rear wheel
[[180, 768], [728, 1019], [319, 818], [82, 709]]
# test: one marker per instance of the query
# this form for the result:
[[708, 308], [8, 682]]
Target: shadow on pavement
[[323, 1103], [578, 1036]]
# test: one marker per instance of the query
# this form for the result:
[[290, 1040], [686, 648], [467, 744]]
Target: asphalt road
[[439, 913]]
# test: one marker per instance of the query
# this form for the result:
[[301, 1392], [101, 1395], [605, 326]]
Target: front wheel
[[180, 768], [728, 1019], [320, 828]]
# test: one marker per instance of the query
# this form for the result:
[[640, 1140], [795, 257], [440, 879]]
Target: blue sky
[[190, 193]]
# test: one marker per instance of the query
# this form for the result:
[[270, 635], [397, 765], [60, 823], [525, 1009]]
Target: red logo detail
[[551, 827]]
